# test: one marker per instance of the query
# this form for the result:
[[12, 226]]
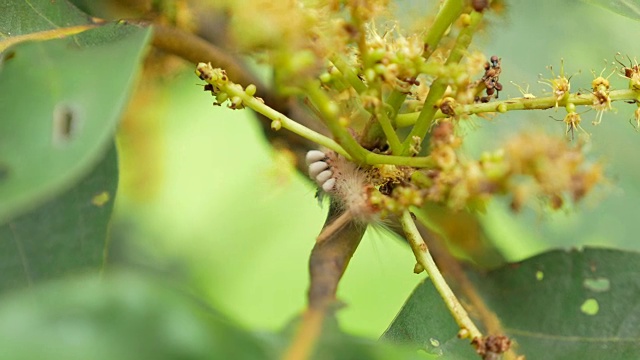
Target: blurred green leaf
[[61, 99], [558, 305], [340, 345], [121, 316], [334, 343], [425, 322], [21, 17], [127, 316], [67, 234], [628, 8]]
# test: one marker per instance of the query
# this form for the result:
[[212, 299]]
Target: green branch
[[328, 109], [238, 95], [347, 72], [417, 162], [404, 120], [392, 104], [423, 257], [450, 11], [329, 112], [424, 120], [346, 145], [389, 132]]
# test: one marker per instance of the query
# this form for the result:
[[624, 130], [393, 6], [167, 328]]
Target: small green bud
[[502, 108], [379, 69], [221, 97], [333, 109], [465, 19], [276, 125], [370, 75], [301, 61], [420, 179], [376, 55], [250, 90], [325, 77], [571, 107]]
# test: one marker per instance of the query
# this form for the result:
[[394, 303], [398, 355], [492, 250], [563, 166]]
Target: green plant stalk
[[424, 119], [357, 153], [404, 120], [360, 24], [387, 119], [350, 76], [436, 69], [449, 12], [423, 257], [395, 101], [416, 162], [389, 132], [277, 117], [329, 111], [423, 123], [388, 113]]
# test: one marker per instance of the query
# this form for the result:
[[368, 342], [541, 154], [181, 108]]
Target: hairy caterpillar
[[354, 188]]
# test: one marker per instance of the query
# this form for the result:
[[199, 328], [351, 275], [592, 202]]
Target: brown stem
[[453, 271], [195, 49], [328, 262], [329, 259]]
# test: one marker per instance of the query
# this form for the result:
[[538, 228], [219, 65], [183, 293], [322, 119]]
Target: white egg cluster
[[320, 170], [348, 184]]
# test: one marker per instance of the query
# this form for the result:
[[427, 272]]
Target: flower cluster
[[560, 84], [530, 166], [366, 80], [217, 83], [372, 74]]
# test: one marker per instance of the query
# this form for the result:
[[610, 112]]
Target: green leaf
[[425, 323], [121, 316], [333, 343], [61, 100], [558, 305], [67, 234], [628, 8], [21, 17]]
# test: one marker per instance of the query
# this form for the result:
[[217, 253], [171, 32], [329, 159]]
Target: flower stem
[[423, 257], [329, 113], [324, 105], [389, 132], [347, 72], [404, 120], [449, 12], [424, 120], [277, 117]]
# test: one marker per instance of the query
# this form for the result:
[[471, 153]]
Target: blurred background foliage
[[202, 193]]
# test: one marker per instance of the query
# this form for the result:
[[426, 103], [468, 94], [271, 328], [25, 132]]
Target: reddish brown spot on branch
[[492, 346]]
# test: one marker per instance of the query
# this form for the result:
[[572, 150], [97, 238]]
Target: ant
[[490, 78]]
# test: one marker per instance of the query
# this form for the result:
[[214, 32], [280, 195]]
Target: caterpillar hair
[[347, 184]]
